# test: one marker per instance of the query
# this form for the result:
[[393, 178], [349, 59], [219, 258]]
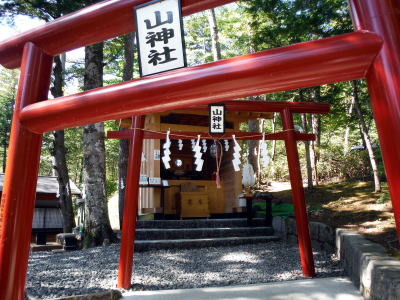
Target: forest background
[[346, 147]]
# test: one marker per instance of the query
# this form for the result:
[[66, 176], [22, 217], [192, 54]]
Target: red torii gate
[[372, 52], [289, 135]]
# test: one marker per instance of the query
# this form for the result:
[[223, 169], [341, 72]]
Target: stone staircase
[[178, 234]]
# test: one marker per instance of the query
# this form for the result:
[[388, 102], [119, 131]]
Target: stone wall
[[366, 263], [322, 236], [369, 267]]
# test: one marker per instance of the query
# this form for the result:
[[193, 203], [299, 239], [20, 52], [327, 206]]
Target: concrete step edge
[[142, 246], [203, 229], [266, 237], [210, 223]]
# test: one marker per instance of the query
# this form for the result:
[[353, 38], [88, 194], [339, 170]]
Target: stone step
[[199, 223], [200, 243], [198, 233], [47, 247]]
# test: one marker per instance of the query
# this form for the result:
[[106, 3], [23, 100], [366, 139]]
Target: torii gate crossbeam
[[379, 20]]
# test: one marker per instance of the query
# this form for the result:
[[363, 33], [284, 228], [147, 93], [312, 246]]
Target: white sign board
[[154, 180], [216, 119], [160, 36], [157, 154]]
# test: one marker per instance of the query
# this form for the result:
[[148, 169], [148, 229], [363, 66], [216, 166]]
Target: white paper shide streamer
[[264, 152], [167, 152], [180, 145], [236, 154], [226, 145], [204, 143], [193, 144], [197, 154], [143, 157]]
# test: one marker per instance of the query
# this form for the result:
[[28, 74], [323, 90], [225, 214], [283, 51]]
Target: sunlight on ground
[[113, 212], [240, 256]]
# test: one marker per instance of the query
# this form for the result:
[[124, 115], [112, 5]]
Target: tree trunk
[[63, 181], [273, 151], [366, 137], [97, 224], [254, 126], [316, 129], [123, 143], [304, 124], [315, 120], [310, 185], [347, 131], [216, 46], [59, 154]]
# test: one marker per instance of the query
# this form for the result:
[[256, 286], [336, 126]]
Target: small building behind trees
[[47, 219]]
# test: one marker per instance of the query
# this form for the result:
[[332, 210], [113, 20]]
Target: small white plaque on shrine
[[157, 154], [160, 36], [216, 119], [143, 180], [154, 180]]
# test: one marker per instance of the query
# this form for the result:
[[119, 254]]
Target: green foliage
[[46, 156], [383, 198], [8, 90], [278, 23], [73, 144], [112, 155], [46, 10], [197, 39], [233, 32], [111, 187]]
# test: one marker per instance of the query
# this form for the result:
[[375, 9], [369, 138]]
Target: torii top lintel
[[239, 106], [95, 23], [338, 58]]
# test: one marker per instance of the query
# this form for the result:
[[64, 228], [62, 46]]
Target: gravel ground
[[94, 270]]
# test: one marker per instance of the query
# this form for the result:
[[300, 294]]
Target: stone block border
[[322, 235], [369, 267], [367, 264]]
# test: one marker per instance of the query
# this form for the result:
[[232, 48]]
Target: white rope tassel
[[197, 154], [236, 154], [264, 152], [167, 152]]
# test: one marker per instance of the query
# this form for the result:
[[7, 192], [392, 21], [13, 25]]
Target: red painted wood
[[187, 135], [323, 61], [303, 234], [130, 206], [270, 106], [19, 190], [98, 22], [383, 17]]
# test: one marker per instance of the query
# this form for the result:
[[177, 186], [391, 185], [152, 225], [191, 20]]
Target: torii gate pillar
[[383, 17], [18, 199], [131, 204]]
